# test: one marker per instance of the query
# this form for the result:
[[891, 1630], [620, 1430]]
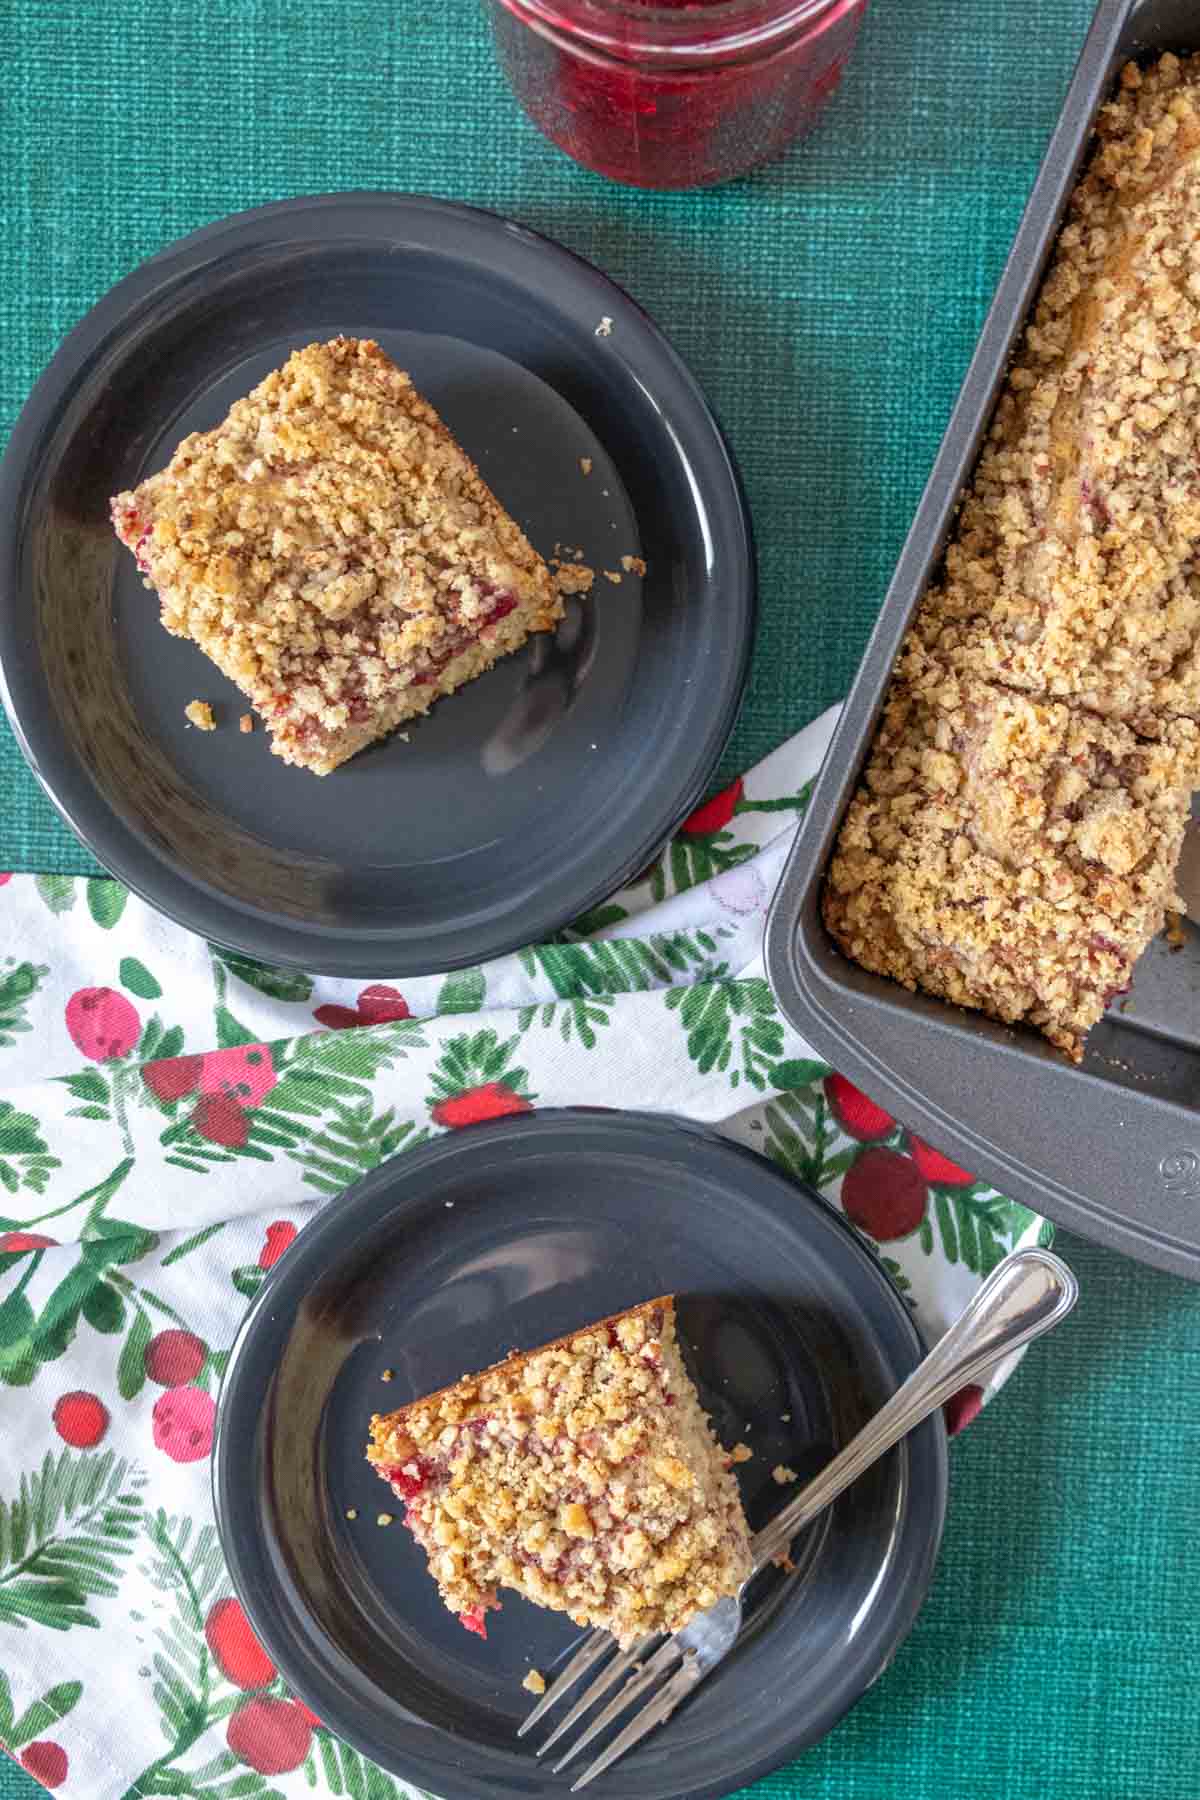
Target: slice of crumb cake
[[584, 1475], [1009, 853], [335, 553]]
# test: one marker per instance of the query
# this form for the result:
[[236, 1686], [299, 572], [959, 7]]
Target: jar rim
[[646, 28]]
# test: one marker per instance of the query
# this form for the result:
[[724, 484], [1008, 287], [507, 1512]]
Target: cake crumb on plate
[[246, 722], [613, 576], [200, 714], [740, 1453], [633, 565], [782, 1474], [534, 1682], [585, 463], [574, 578]]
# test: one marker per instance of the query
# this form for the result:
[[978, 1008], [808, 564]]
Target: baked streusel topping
[[1009, 853], [1072, 570], [584, 1475], [335, 553], [1013, 845]]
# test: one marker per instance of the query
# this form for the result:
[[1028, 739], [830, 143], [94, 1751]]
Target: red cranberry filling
[[476, 1619], [473, 629], [133, 534], [505, 604], [408, 1486], [438, 663]]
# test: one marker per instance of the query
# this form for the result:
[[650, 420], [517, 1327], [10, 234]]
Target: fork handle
[[1025, 1295]]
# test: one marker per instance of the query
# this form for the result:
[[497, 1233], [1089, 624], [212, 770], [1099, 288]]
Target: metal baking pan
[[1110, 1148]]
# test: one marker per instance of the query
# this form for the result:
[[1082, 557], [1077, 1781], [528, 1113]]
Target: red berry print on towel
[[884, 1194], [174, 1078], [239, 1655], [962, 1407], [182, 1423], [13, 1242], [103, 1024], [715, 814], [222, 1121], [337, 1018], [46, 1761], [377, 1005], [308, 1713], [245, 1073], [494, 1100], [272, 1736], [280, 1237], [174, 1358], [80, 1419], [858, 1117], [232, 1082], [381, 1005], [475, 1080], [935, 1167], [5, 879]]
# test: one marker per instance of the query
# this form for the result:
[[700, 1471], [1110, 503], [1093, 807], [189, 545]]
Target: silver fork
[[1027, 1293]]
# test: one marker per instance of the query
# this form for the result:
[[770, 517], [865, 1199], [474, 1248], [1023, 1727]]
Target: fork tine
[[640, 1679], [655, 1712], [619, 1666], [588, 1654]]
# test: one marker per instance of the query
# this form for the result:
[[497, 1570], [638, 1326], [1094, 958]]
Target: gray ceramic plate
[[520, 801], [503, 1236]]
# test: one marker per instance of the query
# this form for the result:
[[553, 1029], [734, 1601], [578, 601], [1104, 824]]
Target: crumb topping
[[1005, 850], [1072, 570], [334, 552], [584, 1475], [1009, 853]]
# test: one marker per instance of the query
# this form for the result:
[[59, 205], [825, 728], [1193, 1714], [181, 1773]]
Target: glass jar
[[674, 93]]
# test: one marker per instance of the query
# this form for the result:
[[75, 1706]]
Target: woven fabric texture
[[829, 304]]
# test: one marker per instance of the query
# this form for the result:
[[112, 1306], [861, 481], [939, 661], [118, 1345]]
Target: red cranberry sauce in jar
[[674, 93]]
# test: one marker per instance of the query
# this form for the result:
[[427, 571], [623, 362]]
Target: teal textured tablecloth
[[829, 304]]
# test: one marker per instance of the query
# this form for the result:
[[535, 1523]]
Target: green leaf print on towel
[[64, 1536], [19, 982], [731, 1023]]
